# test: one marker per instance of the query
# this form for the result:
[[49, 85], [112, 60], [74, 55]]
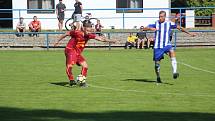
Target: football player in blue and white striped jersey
[[162, 43]]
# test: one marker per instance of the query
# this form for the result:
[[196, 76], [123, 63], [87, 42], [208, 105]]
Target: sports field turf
[[33, 87]]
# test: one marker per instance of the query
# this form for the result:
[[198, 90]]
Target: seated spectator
[[98, 27], [131, 40], [20, 27], [150, 42], [142, 39], [35, 26]]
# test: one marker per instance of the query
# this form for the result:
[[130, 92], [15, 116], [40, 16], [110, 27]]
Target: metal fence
[[122, 16], [46, 40]]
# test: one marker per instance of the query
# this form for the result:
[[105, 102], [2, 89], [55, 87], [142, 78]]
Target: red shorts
[[73, 57]]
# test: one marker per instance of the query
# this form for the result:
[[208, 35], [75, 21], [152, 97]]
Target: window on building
[[129, 4], [42, 5]]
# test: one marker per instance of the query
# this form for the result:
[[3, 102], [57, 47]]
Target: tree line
[[195, 3]]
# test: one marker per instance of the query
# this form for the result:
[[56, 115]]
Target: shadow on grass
[[146, 81], [64, 84], [10, 114]]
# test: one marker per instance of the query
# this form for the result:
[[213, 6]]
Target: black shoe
[[72, 83], [83, 84], [175, 75], [18, 35], [159, 80]]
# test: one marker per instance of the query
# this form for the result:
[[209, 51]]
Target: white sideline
[[177, 94], [196, 68], [154, 93]]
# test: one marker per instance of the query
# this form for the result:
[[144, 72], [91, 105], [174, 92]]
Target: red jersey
[[35, 24], [79, 40]]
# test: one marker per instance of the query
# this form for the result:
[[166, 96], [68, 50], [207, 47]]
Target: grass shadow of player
[[146, 81], [64, 84]]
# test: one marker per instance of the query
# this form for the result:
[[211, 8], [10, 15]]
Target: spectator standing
[[77, 14], [98, 27], [60, 8]]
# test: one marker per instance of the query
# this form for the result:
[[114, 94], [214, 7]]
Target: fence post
[[47, 41], [213, 20], [19, 13], [175, 40], [109, 47], [123, 18], [180, 17]]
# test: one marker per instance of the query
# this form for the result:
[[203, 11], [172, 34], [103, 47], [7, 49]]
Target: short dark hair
[[161, 12], [87, 23]]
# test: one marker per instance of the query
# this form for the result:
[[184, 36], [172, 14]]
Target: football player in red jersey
[[75, 47]]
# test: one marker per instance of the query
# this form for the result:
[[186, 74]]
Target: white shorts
[[77, 17]]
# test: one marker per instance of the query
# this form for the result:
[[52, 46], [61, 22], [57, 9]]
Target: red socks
[[84, 71]]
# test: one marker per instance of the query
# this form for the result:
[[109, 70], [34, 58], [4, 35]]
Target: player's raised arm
[[175, 25], [62, 37], [185, 31]]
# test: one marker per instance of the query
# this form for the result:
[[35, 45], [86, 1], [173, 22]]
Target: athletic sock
[[69, 73], [157, 69], [84, 71], [174, 65]]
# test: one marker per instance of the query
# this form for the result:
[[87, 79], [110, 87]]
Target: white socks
[[174, 65]]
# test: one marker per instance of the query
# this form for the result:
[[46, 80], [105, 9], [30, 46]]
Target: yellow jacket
[[131, 39]]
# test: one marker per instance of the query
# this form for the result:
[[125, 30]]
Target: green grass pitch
[[33, 87]]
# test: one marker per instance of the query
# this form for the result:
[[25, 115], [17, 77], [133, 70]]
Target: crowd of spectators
[[34, 26], [140, 40]]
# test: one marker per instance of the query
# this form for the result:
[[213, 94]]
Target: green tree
[[202, 3], [196, 3]]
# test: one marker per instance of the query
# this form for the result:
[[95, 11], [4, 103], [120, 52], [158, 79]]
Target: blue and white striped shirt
[[162, 35]]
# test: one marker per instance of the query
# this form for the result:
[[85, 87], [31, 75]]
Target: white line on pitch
[[154, 93], [196, 68]]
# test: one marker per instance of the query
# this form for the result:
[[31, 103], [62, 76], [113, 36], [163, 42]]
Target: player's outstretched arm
[[61, 38], [149, 29], [104, 39], [185, 31]]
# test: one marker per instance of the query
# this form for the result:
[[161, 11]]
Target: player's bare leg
[[78, 25], [143, 44], [148, 43], [174, 64], [60, 25], [138, 43]]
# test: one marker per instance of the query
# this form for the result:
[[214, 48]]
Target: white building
[[108, 18]]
